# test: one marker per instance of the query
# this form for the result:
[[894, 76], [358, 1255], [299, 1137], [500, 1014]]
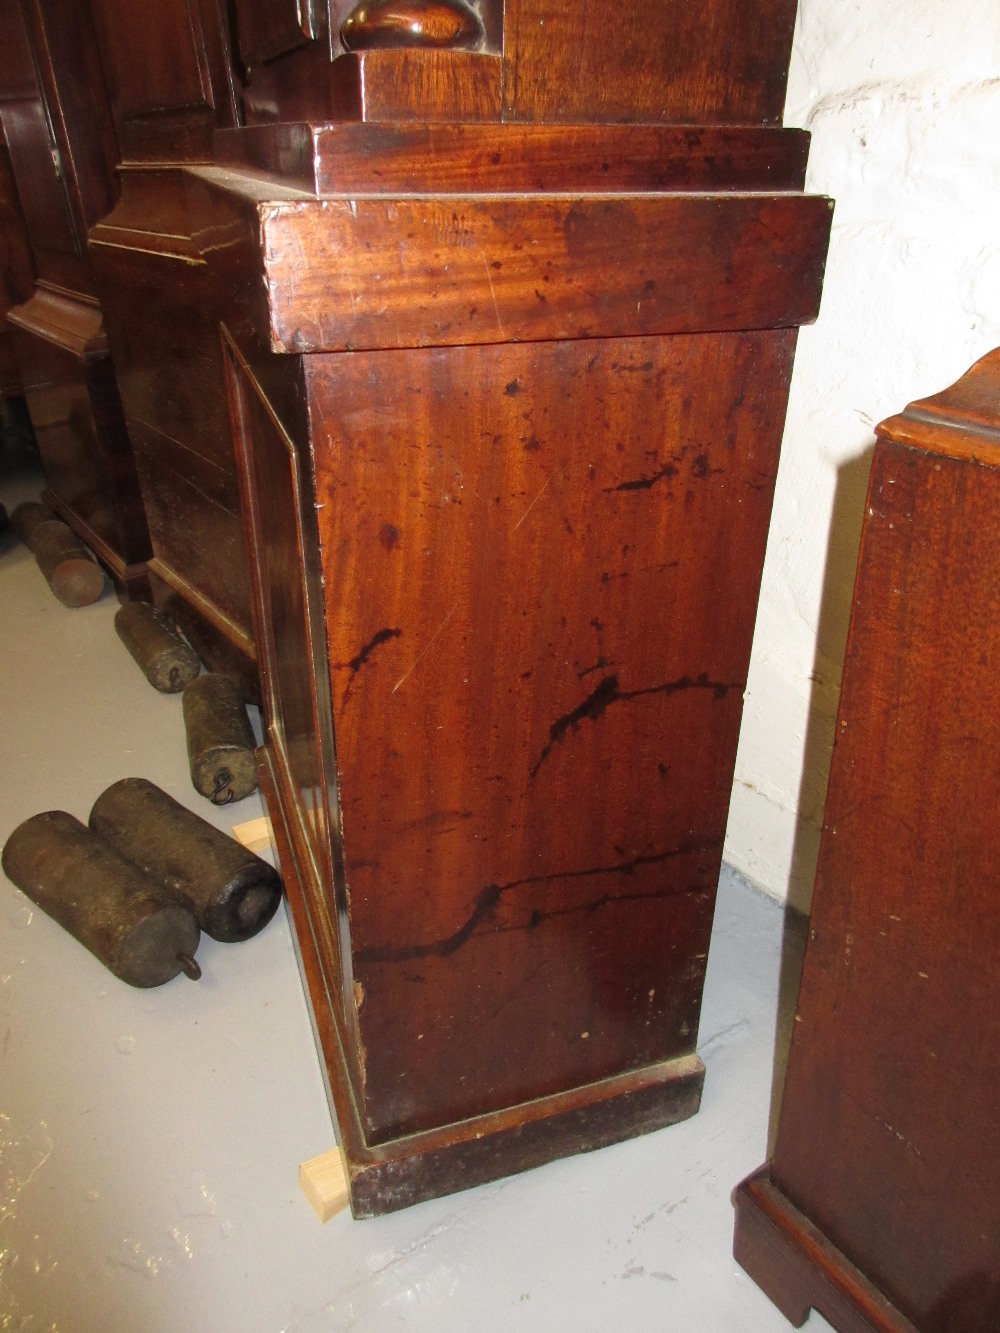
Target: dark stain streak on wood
[[437, 818], [701, 469], [644, 483], [643, 368], [608, 693], [490, 895], [599, 665], [359, 660], [595, 905], [356, 663], [605, 694]]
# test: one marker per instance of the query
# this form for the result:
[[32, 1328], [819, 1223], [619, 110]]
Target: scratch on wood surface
[[911, 1147], [194, 261], [496, 308], [430, 645], [533, 503], [157, 430], [220, 245]]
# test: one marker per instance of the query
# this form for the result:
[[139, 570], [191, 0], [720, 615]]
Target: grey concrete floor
[[150, 1140]]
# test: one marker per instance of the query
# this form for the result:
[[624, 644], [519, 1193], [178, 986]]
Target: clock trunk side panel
[[541, 566], [905, 932]]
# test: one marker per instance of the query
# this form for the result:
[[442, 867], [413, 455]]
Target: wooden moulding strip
[[557, 158], [203, 607], [798, 1269], [452, 270], [71, 322], [961, 422], [387, 1176], [406, 157]]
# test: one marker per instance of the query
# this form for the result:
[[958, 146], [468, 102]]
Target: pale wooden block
[[255, 835], [323, 1180]]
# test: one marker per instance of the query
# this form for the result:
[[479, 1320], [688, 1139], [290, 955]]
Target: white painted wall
[[903, 101]]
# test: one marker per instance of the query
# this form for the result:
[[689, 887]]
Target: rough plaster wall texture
[[903, 101]]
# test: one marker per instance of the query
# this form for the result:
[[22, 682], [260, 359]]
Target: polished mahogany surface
[[164, 297], [723, 62], [450, 271], [885, 1138], [537, 682], [376, 24], [694, 62], [186, 75], [464, 157]]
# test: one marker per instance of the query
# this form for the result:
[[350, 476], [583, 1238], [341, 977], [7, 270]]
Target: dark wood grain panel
[[170, 73], [17, 272], [526, 628], [386, 1176], [907, 857], [34, 153], [266, 30], [688, 61], [885, 1137], [42, 192], [472, 270], [154, 54], [178, 257], [18, 78], [295, 87], [416, 85], [74, 92]]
